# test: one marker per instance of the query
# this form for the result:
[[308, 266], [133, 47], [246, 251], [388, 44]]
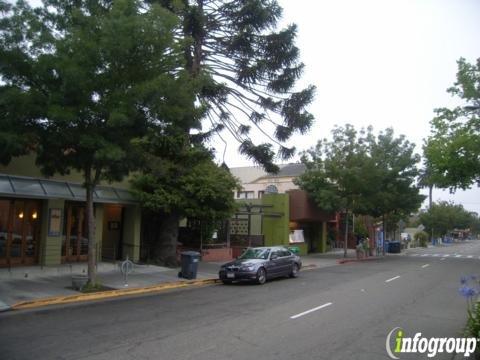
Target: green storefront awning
[[27, 187]]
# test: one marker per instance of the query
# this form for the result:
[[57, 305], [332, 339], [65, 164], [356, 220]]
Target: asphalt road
[[338, 312]]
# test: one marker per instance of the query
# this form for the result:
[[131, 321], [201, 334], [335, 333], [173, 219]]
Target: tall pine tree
[[250, 69]]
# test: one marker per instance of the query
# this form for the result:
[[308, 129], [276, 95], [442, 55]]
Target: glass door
[[75, 242], [4, 230], [16, 236], [31, 233], [19, 232]]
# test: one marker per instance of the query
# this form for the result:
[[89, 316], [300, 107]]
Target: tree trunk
[[430, 193], [345, 243], [165, 248], [92, 244], [384, 226]]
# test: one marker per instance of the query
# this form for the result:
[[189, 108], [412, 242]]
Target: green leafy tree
[[247, 70], [443, 217], [250, 69], [363, 174], [92, 77], [179, 181], [395, 194], [429, 178], [421, 238], [453, 149], [337, 172]]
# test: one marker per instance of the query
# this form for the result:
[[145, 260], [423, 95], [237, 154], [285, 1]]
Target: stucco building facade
[[42, 220]]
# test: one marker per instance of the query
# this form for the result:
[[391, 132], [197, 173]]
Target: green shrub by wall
[[421, 238]]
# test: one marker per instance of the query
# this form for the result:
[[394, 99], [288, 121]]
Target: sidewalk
[[29, 283], [21, 284]]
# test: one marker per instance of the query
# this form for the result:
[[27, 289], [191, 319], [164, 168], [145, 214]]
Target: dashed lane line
[[310, 311]]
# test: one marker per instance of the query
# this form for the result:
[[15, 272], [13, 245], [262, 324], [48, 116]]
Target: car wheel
[[261, 276], [227, 282], [294, 272]]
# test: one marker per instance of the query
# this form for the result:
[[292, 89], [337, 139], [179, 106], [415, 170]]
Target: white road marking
[[470, 256], [425, 255], [426, 265], [415, 254], [457, 256], [436, 255], [393, 278], [442, 259], [446, 255], [310, 311]]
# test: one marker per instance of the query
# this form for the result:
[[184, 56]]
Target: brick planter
[[221, 254]]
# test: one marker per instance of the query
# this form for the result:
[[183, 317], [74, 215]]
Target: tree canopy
[[184, 181], [179, 181], [443, 217], [453, 148], [250, 68], [84, 80], [336, 170], [363, 173], [395, 168]]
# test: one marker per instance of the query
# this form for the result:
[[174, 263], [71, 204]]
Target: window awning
[[20, 186]]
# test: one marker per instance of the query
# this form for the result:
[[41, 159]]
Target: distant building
[[276, 212], [256, 182]]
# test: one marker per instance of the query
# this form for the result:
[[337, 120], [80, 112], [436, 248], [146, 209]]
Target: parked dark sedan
[[261, 263]]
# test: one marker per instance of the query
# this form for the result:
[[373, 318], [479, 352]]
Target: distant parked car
[[260, 264]]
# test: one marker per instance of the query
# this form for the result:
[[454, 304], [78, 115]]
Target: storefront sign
[[54, 222]]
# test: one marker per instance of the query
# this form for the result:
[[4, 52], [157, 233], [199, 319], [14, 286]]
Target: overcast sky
[[385, 63]]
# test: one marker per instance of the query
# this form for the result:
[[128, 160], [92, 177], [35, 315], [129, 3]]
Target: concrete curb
[[345, 261], [57, 300]]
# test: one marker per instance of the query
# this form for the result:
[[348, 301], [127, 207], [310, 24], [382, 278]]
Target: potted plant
[[79, 281], [360, 251]]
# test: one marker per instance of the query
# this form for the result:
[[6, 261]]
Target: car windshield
[[255, 254]]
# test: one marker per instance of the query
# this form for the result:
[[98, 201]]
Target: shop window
[[245, 195]]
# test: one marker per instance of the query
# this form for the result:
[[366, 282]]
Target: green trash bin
[[294, 249]]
